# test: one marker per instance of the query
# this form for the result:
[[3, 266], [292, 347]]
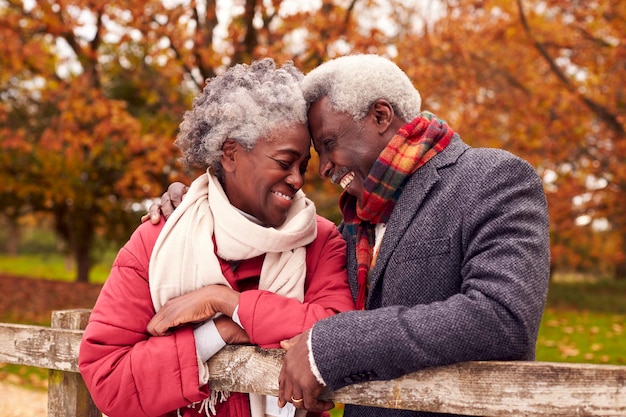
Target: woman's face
[[263, 181]]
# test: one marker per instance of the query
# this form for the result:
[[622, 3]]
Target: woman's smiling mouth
[[283, 196]]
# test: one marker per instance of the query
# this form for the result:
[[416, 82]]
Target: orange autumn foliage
[[92, 94]]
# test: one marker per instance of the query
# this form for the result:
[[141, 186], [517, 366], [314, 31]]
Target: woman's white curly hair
[[245, 104], [354, 82]]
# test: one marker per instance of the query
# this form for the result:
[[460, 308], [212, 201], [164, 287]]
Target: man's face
[[347, 148]]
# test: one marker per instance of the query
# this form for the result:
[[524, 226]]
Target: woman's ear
[[382, 114], [229, 153]]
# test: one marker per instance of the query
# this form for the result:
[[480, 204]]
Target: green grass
[[582, 336], [51, 266], [584, 322]]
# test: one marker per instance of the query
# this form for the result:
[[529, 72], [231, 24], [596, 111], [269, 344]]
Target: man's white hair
[[354, 82]]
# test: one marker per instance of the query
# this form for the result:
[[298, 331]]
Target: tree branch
[[599, 110]]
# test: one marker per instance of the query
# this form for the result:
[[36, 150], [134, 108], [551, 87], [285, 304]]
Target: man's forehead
[[322, 104]]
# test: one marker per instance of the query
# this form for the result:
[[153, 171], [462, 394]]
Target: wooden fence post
[[67, 393]]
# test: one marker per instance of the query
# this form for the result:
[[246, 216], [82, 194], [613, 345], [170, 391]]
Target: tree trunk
[[13, 241], [83, 262], [78, 225], [82, 243]]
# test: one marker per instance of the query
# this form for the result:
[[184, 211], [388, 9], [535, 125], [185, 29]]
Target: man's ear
[[382, 114], [229, 153]]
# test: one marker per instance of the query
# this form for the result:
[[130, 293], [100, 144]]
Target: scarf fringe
[[207, 406]]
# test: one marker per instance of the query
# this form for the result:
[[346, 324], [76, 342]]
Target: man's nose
[[325, 169]]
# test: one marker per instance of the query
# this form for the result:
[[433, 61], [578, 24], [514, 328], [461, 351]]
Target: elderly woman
[[243, 259]]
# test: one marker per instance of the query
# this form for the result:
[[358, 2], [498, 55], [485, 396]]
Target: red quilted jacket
[[130, 373]]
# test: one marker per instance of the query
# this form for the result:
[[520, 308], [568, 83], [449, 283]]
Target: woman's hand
[[193, 307], [231, 332]]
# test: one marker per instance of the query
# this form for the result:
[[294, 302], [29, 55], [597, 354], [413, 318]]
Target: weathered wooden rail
[[472, 388]]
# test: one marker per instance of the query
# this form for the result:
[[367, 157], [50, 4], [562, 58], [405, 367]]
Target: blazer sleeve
[[488, 279], [269, 318], [127, 371]]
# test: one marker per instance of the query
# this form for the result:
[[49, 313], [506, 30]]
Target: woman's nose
[[295, 178]]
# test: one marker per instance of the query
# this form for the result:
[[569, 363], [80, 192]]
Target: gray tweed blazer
[[461, 275]]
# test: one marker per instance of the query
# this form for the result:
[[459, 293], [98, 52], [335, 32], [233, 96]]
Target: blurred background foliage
[[91, 94]]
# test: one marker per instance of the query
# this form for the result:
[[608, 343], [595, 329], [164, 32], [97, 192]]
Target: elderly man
[[448, 246]]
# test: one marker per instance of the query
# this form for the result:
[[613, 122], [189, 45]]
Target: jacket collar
[[411, 199]]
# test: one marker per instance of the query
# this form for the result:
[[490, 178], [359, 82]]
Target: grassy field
[[584, 321], [53, 267]]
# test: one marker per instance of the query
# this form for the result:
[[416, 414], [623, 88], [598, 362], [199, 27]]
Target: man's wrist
[[314, 369]]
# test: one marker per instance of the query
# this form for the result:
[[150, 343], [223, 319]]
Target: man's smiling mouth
[[343, 177], [347, 180]]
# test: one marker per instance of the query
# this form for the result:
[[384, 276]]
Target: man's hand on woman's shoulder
[[169, 201]]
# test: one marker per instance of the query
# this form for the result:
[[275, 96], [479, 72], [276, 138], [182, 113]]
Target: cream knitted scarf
[[184, 257]]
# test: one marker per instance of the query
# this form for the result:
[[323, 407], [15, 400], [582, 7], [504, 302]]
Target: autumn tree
[[22, 118], [543, 79], [82, 155], [106, 84]]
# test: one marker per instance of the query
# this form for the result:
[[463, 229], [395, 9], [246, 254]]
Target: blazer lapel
[[414, 193]]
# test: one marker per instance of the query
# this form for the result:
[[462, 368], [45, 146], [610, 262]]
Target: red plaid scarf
[[410, 148]]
